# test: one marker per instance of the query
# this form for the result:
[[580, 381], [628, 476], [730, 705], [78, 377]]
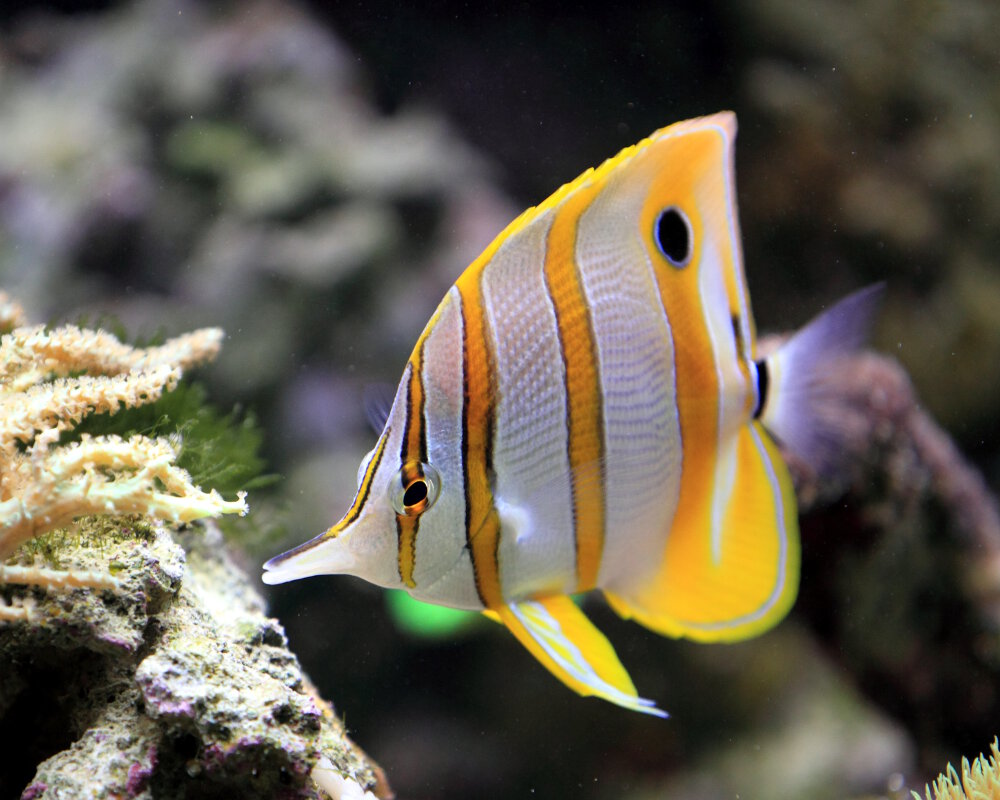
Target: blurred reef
[[179, 165]]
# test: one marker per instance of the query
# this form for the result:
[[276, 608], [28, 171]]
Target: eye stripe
[[413, 453], [406, 539], [413, 438]]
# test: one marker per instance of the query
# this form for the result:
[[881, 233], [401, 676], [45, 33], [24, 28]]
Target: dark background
[[313, 177]]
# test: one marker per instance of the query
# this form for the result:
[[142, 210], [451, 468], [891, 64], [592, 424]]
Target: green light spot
[[426, 619]]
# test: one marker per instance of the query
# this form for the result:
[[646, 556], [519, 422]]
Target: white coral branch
[[57, 578], [104, 475], [60, 405], [18, 611], [33, 353], [50, 379]]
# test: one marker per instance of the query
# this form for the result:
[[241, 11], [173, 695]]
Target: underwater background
[[312, 177]]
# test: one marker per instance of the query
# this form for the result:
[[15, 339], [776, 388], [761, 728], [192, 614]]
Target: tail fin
[[798, 403]]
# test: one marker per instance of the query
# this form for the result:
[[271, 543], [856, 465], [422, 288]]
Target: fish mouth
[[318, 556]]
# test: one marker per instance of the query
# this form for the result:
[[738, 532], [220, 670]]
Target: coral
[[49, 579], [171, 680], [50, 379], [170, 683], [980, 781]]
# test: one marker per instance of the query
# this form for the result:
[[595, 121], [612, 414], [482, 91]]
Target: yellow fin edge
[[567, 644]]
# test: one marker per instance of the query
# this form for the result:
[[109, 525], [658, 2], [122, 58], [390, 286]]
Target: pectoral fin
[[558, 634]]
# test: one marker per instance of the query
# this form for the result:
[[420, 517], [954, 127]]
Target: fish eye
[[415, 489], [673, 236], [415, 495]]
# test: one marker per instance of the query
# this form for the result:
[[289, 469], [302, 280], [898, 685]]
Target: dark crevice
[[44, 717]]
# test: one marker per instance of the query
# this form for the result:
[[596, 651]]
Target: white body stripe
[[443, 568], [732, 385], [636, 365], [530, 457], [782, 526], [736, 243], [783, 543]]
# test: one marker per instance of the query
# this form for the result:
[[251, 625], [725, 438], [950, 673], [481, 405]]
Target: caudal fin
[[799, 405]]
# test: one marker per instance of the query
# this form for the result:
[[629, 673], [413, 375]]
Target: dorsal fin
[[377, 399]]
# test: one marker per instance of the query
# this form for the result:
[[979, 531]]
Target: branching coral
[[980, 781], [23, 608], [50, 379]]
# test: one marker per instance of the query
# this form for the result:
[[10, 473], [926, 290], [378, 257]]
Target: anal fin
[[560, 636]]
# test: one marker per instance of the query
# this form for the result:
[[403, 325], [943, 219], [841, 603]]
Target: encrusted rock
[[171, 683]]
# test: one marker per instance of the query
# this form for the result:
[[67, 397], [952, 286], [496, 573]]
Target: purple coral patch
[[139, 774], [138, 779], [34, 791]]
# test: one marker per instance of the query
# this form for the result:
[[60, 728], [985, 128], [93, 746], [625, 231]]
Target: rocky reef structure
[[172, 682], [901, 572], [138, 659]]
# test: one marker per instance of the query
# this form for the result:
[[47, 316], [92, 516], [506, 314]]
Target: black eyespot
[[673, 236], [415, 493]]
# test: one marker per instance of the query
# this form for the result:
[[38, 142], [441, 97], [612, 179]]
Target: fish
[[586, 410]]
